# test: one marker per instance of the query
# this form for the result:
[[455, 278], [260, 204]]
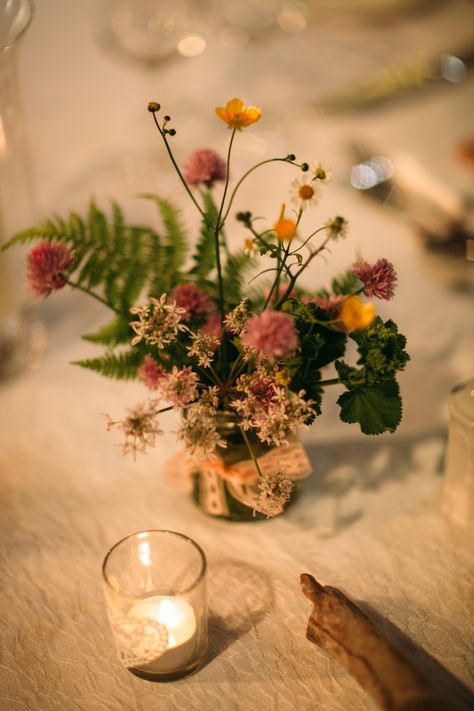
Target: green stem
[[224, 244], [217, 378], [245, 175], [95, 296], [331, 381], [320, 229], [237, 367], [220, 281], [233, 369], [259, 236], [165, 409], [176, 167], [251, 452], [198, 368], [293, 279], [276, 283], [317, 321]]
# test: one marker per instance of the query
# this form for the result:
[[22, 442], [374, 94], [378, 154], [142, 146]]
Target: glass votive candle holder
[[155, 589], [458, 488]]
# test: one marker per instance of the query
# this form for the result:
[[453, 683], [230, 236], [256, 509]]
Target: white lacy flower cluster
[[237, 319], [159, 322], [272, 410], [203, 348], [140, 428], [274, 492], [180, 386], [198, 429]]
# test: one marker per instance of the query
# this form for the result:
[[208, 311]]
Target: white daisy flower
[[304, 193], [321, 173]]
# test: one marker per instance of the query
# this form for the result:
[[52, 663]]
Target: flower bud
[[245, 217]]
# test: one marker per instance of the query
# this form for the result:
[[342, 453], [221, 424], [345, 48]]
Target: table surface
[[369, 519]]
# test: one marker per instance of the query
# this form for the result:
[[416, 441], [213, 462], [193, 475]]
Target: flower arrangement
[[242, 360]]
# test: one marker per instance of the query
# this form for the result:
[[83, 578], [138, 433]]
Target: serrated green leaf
[[350, 377], [377, 408], [381, 349]]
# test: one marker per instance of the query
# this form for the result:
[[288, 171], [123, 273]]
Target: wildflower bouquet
[[242, 360]]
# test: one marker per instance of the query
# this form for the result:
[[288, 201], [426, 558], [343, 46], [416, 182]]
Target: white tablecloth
[[368, 520]]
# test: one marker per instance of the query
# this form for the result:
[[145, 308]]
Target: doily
[[139, 640]]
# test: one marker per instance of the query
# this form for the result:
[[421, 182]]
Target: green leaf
[[174, 241], [48, 231], [381, 350], [310, 383], [234, 275], [205, 253], [111, 258], [377, 408], [121, 366], [345, 284], [113, 333], [350, 377], [333, 347]]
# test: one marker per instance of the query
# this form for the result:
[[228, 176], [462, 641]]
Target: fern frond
[[234, 275], [120, 366], [204, 256], [111, 334], [48, 230], [155, 263], [174, 242]]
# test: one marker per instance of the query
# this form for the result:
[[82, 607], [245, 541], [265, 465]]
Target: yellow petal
[[237, 115], [354, 314], [367, 315], [235, 106], [222, 113], [285, 229], [252, 114]]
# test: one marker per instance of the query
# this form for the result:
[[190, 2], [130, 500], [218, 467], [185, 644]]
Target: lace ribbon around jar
[[240, 478], [139, 640]]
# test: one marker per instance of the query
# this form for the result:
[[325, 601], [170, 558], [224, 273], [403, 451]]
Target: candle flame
[[168, 614]]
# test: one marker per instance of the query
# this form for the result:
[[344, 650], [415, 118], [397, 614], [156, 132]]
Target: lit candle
[[155, 588], [178, 617]]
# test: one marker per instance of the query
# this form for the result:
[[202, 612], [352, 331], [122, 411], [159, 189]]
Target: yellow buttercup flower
[[284, 228], [237, 115], [354, 314]]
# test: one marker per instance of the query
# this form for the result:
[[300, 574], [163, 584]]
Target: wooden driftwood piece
[[339, 627]]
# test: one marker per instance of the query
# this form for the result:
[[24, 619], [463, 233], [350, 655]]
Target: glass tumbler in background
[[155, 590], [154, 31], [20, 339], [458, 485]]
